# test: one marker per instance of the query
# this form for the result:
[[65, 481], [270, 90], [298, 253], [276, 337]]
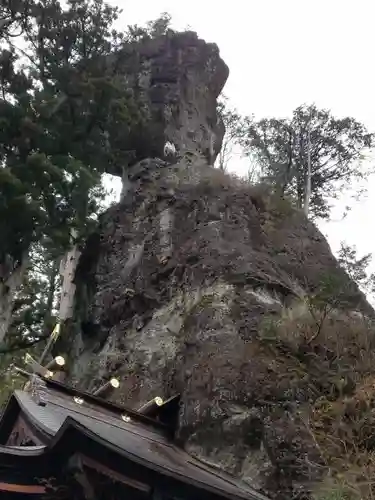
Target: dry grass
[[337, 355]]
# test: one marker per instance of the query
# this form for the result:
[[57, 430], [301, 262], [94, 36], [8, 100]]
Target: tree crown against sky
[[335, 147]]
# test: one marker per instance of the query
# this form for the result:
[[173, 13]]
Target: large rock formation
[[177, 78], [186, 285]]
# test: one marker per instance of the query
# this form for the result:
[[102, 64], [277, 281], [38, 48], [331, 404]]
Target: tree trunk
[[49, 309], [67, 270], [10, 281], [300, 188], [51, 294], [68, 267], [306, 204]]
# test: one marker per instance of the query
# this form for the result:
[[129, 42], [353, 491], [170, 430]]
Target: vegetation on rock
[[325, 365]]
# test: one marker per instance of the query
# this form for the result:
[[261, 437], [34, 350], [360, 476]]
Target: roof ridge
[[108, 405], [115, 423]]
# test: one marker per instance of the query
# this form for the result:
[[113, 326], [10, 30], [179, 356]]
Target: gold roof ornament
[[107, 388], [58, 363], [150, 406]]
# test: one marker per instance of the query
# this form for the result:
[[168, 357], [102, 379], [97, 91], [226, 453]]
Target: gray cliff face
[[176, 286]]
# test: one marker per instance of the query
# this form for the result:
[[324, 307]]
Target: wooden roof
[[96, 430]]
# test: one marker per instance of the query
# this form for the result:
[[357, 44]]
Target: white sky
[[283, 53]]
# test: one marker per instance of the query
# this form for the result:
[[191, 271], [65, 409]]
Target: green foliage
[[66, 117], [357, 267], [338, 492], [335, 288], [331, 289], [159, 27], [282, 146], [9, 380], [34, 310], [65, 114]]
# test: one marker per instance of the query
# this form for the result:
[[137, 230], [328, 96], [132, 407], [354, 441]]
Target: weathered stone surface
[[179, 280], [178, 77], [178, 288]]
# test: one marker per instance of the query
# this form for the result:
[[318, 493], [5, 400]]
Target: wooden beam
[[31, 489], [80, 476], [22, 372], [107, 388], [92, 464], [151, 406], [36, 367], [59, 376], [56, 364]]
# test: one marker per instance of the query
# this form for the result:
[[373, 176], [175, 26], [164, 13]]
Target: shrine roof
[[135, 439]]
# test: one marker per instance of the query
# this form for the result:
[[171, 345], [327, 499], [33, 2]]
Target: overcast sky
[[283, 53]]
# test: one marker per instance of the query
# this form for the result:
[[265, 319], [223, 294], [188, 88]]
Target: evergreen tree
[[71, 135], [65, 118]]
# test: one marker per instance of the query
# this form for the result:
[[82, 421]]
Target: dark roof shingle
[[137, 442]]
